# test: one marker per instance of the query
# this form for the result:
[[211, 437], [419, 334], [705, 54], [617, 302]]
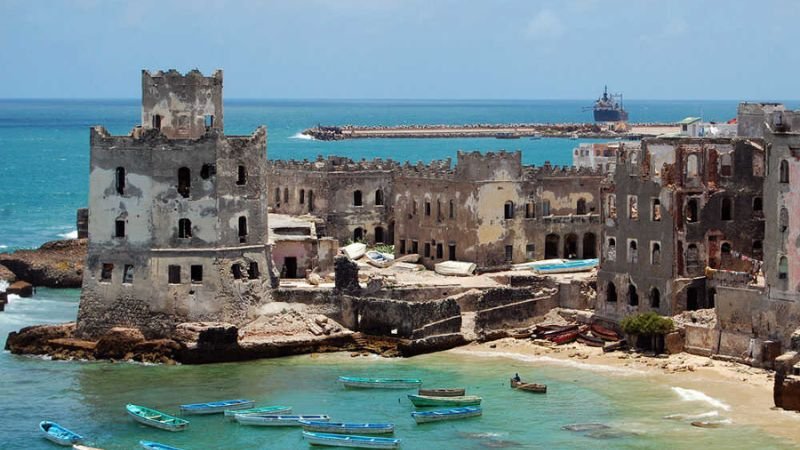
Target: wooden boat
[[230, 413], [442, 392], [456, 268], [57, 434], [590, 340], [380, 383], [524, 334], [277, 420], [150, 445], [530, 387], [378, 259], [604, 333], [611, 346], [338, 440], [425, 400], [446, 414], [216, 407], [558, 330], [347, 428], [156, 419], [564, 337], [568, 266], [708, 424]]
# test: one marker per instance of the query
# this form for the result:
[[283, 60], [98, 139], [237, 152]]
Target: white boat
[[458, 268], [446, 414], [350, 441], [231, 413], [348, 428], [355, 250], [276, 420], [216, 407], [378, 259]]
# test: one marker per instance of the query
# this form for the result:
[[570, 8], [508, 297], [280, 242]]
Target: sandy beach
[[744, 393]]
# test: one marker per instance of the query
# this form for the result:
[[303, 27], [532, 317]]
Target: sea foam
[[551, 360], [691, 395], [302, 136], [71, 235]]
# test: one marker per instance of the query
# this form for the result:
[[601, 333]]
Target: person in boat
[[517, 378]]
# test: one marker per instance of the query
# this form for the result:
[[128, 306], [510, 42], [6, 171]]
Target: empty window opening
[[726, 169], [530, 210], [428, 208], [712, 297], [286, 195], [571, 246], [439, 251], [120, 180], [414, 207], [208, 119], [633, 296], [174, 274], [252, 271], [655, 298], [241, 177], [452, 214], [184, 181], [692, 303], [157, 122], [427, 250], [509, 253], [184, 228], [546, 207], [611, 249], [451, 252], [127, 274], [692, 256], [784, 171], [196, 274], [783, 268], [589, 246], [402, 246], [119, 228], [758, 249], [438, 210], [633, 252], [691, 210], [105, 272], [580, 208], [758, 206], [310, 200], [551, 242], [277, 196], [242, 229], [612, 206], [611, 293], [783, 220], [508, 210], [530, 252], [656, 213], [289, 267], [379, 197], [357, 198], [692, 168], [633, 207], [379, 238], [655, 254], [302, 196], [358, 234], [414, 247], [236, 271], [207, 171], [726, 212]]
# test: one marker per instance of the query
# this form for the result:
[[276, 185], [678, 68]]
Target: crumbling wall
[[398, 318]]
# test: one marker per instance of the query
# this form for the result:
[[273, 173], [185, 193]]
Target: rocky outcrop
[[21, 288], [118, 342], [7, 275], [56, 264]]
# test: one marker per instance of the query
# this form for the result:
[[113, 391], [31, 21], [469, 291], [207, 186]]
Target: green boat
[[156, 419], [230, 413], [427, 400], [380, 383]]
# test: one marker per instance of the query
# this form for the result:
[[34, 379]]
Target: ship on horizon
[[608, 108]]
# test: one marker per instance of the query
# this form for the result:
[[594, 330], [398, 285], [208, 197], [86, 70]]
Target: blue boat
[[446, 414], [347, 428], [216, 407], [231, 413], [57, 434], [380, 383], [559, 265], [274, 420], [338, 440], [150, 445], [156, 419]]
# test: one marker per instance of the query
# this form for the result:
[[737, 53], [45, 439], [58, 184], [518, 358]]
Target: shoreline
[[741, 393]]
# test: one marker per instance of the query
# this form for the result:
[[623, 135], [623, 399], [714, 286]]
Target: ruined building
[[178, 218]]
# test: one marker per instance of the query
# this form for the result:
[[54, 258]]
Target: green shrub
[[647, 324], [384, 248]]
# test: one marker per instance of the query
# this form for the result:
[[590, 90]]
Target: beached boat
[[556, 330], [604, 333], [216, 407], [530, 387], [442, 392], [347, 428], [156, 419], [612, 346], [565, 337], [380, 383], [150, 445], [587, 339], [567, 266], [355, 250], [446, 414], [57, 434], [457, 268], [378, 259], [278, 420], [338, 440], [230, 413], [524, 334], [425, 400]]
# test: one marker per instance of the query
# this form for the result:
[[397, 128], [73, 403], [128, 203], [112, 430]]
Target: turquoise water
[[44, 145], [89, 398]]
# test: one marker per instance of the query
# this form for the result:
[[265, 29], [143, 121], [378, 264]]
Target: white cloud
[[545, 26]]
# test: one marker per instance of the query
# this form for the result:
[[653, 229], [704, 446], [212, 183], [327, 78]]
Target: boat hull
[[446, 414], [216, 407], [334, 440], [347, 428], [156, 446], [156, 419], [424, 400], [57, 434], [444, 392], [231, 413], [278, 420], [380, 383], [529, 387], [610, 115]]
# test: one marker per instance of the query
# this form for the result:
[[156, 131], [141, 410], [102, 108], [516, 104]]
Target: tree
[[648, 324]]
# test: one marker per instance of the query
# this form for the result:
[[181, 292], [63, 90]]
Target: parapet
[[484, 166], [182, 106]]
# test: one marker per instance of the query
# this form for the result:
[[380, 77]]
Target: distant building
[[597, 156]]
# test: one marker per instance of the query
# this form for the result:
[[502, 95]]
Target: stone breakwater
[[502, 131]]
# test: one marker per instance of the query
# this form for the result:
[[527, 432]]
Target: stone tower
[[177, 214]]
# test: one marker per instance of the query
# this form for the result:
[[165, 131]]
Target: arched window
[[452, 209], [286, 195], [184, 181], [655, 254], [302, 196], [783, 268], [589, 246], [277, 196], [580, 208], [236, 270], [379, 197], [611, 293], [692, 256], [633, 252], [726, 169], [120, 180], [207, 170], [656, 213], [358, 234], [508, 210], [633, 296], [655, 298], [551, 246], [633, 207], [691, 210], [184, 228], [726, 212], [357, 198], [783, 220], [379, 235], [784, 171], [571, 246], [611, 249], [530, 210], [692, 168], [242, 229]]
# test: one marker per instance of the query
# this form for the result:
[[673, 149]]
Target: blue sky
[[417, 49]]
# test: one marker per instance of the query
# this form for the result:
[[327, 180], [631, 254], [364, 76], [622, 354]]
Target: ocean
[[44, 179]]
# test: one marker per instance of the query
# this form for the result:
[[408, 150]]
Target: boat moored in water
[[277, 420], [380, 383], [230, 413], [156, 419], [57, 434], [463, 400], [446, 414], [351, 441], [442, 392], [347, 428], [529, 387], [216, 407], [150, 445]]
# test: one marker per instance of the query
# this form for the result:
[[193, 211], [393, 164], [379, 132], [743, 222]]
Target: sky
[[406, 49]]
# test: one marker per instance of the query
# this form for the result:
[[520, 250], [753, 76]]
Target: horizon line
[[388, 99]]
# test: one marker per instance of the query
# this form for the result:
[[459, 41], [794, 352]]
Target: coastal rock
[[117, 342], [346, 279], [6, 274], [21, 288], [34, 340], [54, 264]]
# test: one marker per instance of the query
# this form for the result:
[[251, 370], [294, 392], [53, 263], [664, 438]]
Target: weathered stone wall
[[182, 106], [512, 308], [399, 318]]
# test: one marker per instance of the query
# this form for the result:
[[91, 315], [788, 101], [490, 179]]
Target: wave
[[550, 360], [691, 395], [302, 136], [704, 415], [3, 285], [3, 246], [71, 235]]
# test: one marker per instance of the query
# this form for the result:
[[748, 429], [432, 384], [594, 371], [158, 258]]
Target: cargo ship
[[608, 108]]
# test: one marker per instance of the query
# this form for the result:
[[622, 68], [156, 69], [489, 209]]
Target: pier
[[499, 131]]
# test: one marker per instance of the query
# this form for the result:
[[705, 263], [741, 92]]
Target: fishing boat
[[536, 136], [216, 407], [156, 419], [566, 266], [355, 250], [150, 445], [587, 339], [455, 268], [347, 428], [277, 420], [565, 337], [338, 440], [446, 414], [230, 413], [611, 346], [442, 392], [57, 434], [380, 383], [507, 135], [604, 333], [425, 400], [379, 259], [521, 334], [530, 387]]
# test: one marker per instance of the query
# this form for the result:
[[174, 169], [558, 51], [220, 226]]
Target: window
[[758, 249], [438, 210], [726, 212], [633, 207], [427, 247], [655, 253], [452, 214], [105, 272], [428, 208], [509, 253], [691, 210], [184, 228], [252, 271], [758, 206], [277, 196], [379, 197], [242, 229], [439, 251], [236, 271], [784, 171], [726, 169], [174, 274], [530, 251], [196, 274], [656, 213], [611, 293], [451, 252], [402, 246], [655, 298], [358, 234], [633, 251], [120, 180], [241, 178], [184, 181], [633, 296], [783, 268], [589, 246], [414, 207], [692, 168], [580, 208], [157, 122], [302, 196], [530, 210], [127, 274], [207, 170], [611, 249], [414, 247], [551, 242], [379, 239], [546, 207], [612, 206], [208, 120], [310, 200], [692, 256], [783, 220], [357, 198], [508, 210], [286, 195], [119, 228]]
